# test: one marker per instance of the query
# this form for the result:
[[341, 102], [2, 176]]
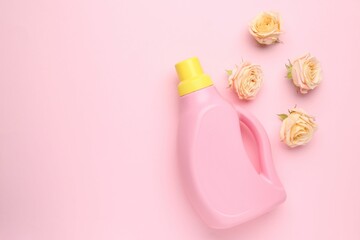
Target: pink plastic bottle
[[220, 180]]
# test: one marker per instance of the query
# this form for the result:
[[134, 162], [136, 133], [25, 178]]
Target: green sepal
[[282, 116], [229, 72], [289, 70]]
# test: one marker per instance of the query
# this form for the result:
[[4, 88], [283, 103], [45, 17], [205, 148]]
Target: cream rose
[[246, 80], [266, 28], [297, 128], [305, 73]]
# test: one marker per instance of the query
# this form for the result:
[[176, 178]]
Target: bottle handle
[[267, 169]]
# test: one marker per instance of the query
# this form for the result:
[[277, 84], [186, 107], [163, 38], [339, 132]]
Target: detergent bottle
[[219, 178]]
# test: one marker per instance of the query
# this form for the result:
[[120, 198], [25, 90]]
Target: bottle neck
[[203, 97]]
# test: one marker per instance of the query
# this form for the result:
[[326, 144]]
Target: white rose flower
[[305, 73], [266, 28], [246, 80], [297, 127]]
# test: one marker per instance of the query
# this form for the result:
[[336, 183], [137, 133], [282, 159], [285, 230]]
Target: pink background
[[88, 116]]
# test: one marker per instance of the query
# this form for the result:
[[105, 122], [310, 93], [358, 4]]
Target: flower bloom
[[266, 28], [246, 80], [297, 128]]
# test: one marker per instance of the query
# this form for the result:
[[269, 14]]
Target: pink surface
[[89, 107]]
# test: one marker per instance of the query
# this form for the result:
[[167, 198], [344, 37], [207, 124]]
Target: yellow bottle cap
[[191, 76]]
